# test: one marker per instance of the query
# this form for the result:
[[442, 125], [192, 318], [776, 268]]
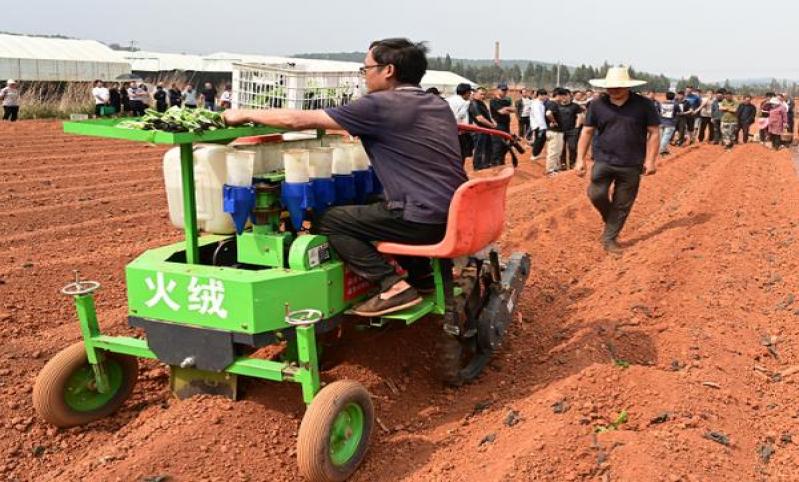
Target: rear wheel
[[335, 431], [65, 393]]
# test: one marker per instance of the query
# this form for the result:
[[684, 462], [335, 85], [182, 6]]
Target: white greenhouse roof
[[162, 62], [223, 62], [39, 48], [443, 78]]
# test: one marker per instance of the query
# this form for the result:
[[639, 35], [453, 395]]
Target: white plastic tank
[[271, 158], [295, 162], [320, 163], [210, 174], [360, 161], [241, 164], [342, 161]]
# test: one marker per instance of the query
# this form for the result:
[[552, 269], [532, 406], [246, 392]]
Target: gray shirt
[[412, 141]]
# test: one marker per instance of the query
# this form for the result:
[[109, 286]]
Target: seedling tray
[[108, 128]]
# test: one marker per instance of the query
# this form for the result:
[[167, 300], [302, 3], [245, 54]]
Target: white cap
[[11, 81]]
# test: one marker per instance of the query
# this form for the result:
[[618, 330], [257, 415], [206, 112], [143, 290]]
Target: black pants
[[613, 209], [570, 139], [776, 140], [539, 139], [137, 108], [705, 125], [715, 125], [352, 229], [524, 126], [744, 130], [467, 145], [10, 112], [500, 148], [483, 148]]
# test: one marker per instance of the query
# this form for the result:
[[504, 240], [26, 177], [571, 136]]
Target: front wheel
[[65, 392], [335, 431]]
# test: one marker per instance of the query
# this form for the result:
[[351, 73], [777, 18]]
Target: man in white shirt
[[538, 122], [459, 103], [101, 97]]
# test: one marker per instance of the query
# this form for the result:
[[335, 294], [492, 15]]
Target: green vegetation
[[177, 119], [620, 419]]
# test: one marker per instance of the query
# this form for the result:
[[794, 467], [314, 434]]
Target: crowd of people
[[134, 97], [719, 117], [555, 121]]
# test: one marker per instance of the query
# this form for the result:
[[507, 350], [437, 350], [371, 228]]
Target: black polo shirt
[[412, 140], [502, 120], [620, 131], [478, 108]]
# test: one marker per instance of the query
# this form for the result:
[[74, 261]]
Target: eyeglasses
[[363, 70]]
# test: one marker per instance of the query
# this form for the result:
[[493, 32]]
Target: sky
[[714, 39]]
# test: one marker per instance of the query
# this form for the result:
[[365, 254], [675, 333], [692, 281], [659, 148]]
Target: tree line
[[539, 75]]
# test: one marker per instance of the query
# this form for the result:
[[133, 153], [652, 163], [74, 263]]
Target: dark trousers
[[524, 126], [351, 231], [776, 140], [500, 148], [10, 112], [744, 130], [705, 125], [570, 140], [613, 209], [715, 125], [467, 145], [539, 139], [137, 108], [483, 148]]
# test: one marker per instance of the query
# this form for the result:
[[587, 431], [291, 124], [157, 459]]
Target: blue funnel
[[238, 202], [345, 188], [296, 198], [324, 194]]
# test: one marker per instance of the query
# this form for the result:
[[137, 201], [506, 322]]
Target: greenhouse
[[63, 60]]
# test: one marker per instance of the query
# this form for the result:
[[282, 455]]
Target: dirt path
[[692, 332]]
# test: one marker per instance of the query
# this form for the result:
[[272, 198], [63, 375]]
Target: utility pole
[[557, 82]]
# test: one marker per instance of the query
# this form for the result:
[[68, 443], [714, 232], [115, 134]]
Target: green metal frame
[[253, 305], [305, 372]]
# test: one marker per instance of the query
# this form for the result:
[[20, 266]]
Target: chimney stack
[[496, 53]]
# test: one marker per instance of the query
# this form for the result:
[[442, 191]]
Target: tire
[[459, 360], [62, 394], [322, 455]]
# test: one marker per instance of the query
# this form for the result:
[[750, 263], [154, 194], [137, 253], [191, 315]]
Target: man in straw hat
[[626, 145]]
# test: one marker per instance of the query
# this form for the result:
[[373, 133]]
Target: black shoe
[[376, 306], [612, 247]]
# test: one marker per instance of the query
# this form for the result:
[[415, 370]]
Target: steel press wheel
[[335, 431], [459, 360], [65, 394]]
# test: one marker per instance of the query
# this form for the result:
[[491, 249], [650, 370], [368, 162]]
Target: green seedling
[[621, 419], [621, 363], [177, 119]]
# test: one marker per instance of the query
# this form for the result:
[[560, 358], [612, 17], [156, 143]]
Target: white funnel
[[342, 163], [320, 162], [295, 162]]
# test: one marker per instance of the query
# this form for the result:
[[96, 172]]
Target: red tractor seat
[[476, 218]]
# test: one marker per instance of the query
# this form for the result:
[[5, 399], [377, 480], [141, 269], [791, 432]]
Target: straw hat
[[617, 77]]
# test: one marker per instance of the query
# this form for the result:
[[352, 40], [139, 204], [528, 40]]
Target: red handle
[[482, 130]]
